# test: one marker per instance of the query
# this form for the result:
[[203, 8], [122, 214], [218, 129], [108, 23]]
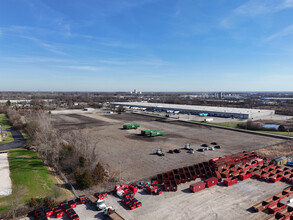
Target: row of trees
[[73, 152]]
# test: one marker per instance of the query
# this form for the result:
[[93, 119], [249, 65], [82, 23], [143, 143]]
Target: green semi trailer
[[131, 126]]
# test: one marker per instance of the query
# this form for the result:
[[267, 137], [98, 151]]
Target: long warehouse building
[[243, 113]]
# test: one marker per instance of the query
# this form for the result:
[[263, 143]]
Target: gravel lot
[[136, 152]]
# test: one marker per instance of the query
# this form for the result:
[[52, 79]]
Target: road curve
[[18, 142]]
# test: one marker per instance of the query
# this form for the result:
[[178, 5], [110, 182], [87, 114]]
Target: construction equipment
[[101, 204], [112, 214], [159, 152]]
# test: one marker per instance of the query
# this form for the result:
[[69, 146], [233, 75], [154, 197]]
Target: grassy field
[[289, 134], [4, 122], [8, 139], [234, 125], [30, 178]]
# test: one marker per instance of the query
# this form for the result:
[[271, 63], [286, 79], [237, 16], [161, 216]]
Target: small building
[[280, 160], [290, 158]]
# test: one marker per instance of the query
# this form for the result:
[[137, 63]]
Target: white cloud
[[29, 59], [286, 4], [257, 7], [87, 68], [254, 8], [283, 33], [135, 62], [50, 47]]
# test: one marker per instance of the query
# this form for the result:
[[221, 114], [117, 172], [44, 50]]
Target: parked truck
[[112, 214]]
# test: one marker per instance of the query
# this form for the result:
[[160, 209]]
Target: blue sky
[[150, 45]]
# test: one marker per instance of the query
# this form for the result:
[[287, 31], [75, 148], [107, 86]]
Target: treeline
[[73, 152]]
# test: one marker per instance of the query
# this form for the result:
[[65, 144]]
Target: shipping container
[[131, 126], [195, 187], [211, 181], [177, 179], [156, 133], [230, 181], [183, 178], [167, 186], [245, 176], [160, 178], [276, 207]]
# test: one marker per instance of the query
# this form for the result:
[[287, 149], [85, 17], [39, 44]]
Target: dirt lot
[[136, 152]]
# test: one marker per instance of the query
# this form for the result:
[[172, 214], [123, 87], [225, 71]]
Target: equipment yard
[[194, 185], [134, 152], [218, 202]]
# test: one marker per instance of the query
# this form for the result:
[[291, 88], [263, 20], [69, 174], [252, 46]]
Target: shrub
[[32, 203], [83, 179], [49, 202], [87, 180], [82, 161], [99, 173]]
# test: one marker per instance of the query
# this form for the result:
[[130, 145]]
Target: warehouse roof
[[196, 108]]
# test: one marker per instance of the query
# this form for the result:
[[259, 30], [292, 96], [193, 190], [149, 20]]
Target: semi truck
[[112, 214]]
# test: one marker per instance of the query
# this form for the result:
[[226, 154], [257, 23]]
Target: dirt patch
[[75, 121]]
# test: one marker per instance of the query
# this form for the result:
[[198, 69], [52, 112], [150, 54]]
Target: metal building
[[243, 113]]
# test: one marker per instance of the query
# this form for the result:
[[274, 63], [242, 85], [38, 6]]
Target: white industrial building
[[243, 113]]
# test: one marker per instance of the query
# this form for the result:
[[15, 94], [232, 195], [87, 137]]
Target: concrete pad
[[5, 183]]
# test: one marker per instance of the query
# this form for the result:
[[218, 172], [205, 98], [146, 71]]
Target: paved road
[[19, 141]]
